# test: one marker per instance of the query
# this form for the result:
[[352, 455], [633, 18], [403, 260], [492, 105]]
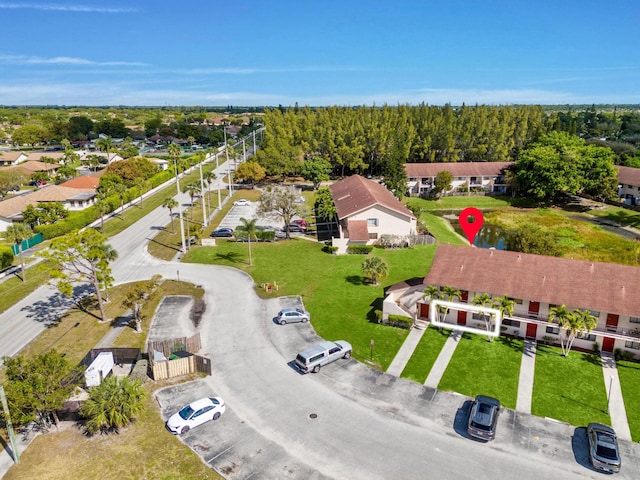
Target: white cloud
[[64, 8], [27, 60]]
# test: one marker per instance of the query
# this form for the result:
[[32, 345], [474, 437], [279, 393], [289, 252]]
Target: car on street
[[313, 358], [292, 315], [195, 414], [222, 232], [604, 453], [483, 418], [243, 202], [294, 228], [300, 221]]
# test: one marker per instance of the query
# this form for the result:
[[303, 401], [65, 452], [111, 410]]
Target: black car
[[222, 232], [603, 448], [483, 418]]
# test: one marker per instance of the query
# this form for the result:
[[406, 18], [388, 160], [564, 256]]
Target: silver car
[[313, 358], [292, 315], [604, 453]]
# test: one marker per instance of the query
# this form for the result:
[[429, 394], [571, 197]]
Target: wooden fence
[[120, 355], [172, 345], [180, 366]]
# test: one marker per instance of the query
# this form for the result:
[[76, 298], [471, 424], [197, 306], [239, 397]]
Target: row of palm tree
[[573, 323]]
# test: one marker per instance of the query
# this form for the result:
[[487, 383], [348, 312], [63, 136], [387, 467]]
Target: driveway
[[348, 421]]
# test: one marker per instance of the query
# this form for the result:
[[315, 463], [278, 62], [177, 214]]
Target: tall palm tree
[[449, 294], [484, 300], [102, 207], [175, 151], [209, 177], [17, 232], [105, 144], [192, 189], [143, 185], [432, 293], [565, 320], [120, 189], [505, 305], [374, 267], [170, 203], [249, 227]]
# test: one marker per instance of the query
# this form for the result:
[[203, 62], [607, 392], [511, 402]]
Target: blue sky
[[330, 52]]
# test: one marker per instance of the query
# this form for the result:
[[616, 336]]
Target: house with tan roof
[[38, 156], [629, 185], [12, 158], [536, 283], [32, 166], [366, 211], [71, 198], [487, 177]]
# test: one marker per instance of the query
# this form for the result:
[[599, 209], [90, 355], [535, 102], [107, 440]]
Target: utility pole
[[226, 149], [184, 246], [204, 206]]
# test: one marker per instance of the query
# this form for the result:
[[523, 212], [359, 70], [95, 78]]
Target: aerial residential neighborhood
[[278, 240]]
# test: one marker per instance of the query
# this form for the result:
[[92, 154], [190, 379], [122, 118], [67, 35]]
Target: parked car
[[222, 232], [483, 418], [294, 227], [300, 221], [313, 358], [292, 315], [195, 414], [243, 202], [604, 453]]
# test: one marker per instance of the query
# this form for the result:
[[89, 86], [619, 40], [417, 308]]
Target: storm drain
[[313, 415]]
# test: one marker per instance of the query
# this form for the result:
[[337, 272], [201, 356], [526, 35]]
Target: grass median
[[425, 354]]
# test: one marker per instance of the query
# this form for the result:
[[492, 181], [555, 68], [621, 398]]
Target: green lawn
[[333, 289], [442, 230], [629, 374], [570, 389], [425, 355], [457, 203], [487, 368], [623, 216]]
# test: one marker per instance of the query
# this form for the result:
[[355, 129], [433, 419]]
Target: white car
[[195, 414], [243, 202]]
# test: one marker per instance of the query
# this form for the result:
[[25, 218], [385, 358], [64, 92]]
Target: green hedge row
[[6, 257], [359, 249], [400, 321]]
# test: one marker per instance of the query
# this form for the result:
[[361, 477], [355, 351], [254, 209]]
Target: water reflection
[[489, 236]]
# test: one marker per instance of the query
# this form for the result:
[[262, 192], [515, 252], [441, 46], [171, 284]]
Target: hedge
[[6, 257], [400, 321], [359, 249]]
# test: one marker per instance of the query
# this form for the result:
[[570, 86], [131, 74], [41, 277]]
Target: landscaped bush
[[359, 249], [620, 354], [139, 371], [6, 257], [400, 321], [392, 241], [266, 236]]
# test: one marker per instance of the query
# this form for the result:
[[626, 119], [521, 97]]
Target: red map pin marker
[[471, 229]]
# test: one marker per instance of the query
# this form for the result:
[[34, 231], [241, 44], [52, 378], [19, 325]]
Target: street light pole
[[609, 392], [219, 201], [204, 206], [226, 149]]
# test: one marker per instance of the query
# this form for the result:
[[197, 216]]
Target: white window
[[634, 319], [372, 222], [634, 345], [554, 330]]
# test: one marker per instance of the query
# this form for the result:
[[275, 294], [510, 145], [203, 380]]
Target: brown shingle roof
[[603, 287], [358, 231], [629, 176], [31, 166], [37, 156], [54, 193], [457, 169], [11, 156], [83, 181], [355, 194]]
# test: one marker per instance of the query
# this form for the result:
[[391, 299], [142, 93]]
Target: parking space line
[[223, 452]]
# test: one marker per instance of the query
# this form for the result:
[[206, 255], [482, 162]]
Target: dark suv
[[483, 418]]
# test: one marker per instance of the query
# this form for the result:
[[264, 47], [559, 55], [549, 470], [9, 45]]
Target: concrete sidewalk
[[440, 365], [406, 350], [615, 406], [527, 371]]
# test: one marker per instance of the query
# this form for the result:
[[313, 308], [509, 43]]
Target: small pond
[[489, 236]]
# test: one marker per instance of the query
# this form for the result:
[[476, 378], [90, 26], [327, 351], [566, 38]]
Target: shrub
[[139, 371], [400, 321], [266, 236], [359, 249], [6, 257]]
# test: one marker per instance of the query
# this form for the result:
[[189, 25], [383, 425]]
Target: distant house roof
[[14, 206], [355, 194], [32, 166], [602, 287], [11, 157], [37, 156], [457, 169], [629, 176], [83, 181]]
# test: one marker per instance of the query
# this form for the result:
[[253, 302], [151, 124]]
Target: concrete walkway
[[440, 365], [404, 354], [525, 383], [616, 408]]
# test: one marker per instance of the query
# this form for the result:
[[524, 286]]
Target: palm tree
[[192, 189], [175, 151], [102, 207], [505, 305], [209, 177], [432, 293], [113, 404], [120, 189], [449, 294], [143, 186], [374, 267], [566, 320], [248, 227], [17, 232], [105, 144], [170, 203], [484, 300]]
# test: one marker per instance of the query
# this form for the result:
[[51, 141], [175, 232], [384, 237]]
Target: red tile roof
[[457, 169], [355, 194], [603, 287], [629, 176], [83, 181]]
